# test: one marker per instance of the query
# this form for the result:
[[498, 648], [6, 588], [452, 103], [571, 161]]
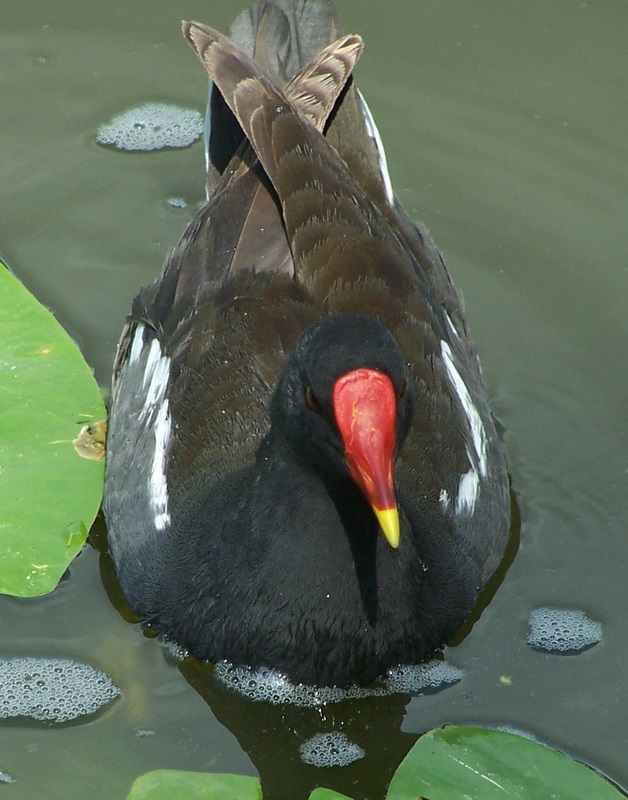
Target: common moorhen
[[302, 471]]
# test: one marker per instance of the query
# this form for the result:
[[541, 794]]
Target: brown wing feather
[[332, 227], [313, 90], [261, 243]]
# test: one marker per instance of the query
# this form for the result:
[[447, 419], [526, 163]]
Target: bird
[[303, 472]]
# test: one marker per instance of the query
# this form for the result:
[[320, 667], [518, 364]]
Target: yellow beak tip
[[388, 519]]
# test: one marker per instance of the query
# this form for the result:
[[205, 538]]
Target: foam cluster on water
[[174, 651], [152, 126], [269, 686], [52, 689], [330, 750], [421, 678], [565, 631]]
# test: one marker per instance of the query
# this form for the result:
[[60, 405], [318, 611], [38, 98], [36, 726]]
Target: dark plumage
[[303, 338]]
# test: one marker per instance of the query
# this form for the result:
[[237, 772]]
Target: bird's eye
[[311, 399]]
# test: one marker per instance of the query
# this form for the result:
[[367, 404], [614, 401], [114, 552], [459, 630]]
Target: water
[[505, 127]]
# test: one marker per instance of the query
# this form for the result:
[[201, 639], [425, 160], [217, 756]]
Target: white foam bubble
[[557, 630], [152, 126], [52, 689], [6, 778], [419, 678], [269, 686], [177, 202], [330, 750], [173, 652]]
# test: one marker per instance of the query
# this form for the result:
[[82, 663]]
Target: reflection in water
[[274, 735]]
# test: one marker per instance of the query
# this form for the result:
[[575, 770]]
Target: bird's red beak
[[365, 408]]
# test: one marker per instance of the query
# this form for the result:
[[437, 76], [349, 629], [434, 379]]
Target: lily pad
[[483, 764], [166, 784], [49, 494]]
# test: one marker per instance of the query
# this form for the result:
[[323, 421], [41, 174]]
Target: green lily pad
[[49, 494], [165, 784], [483, 764]]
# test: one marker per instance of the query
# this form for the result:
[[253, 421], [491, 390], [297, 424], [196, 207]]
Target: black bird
[[302, 469]]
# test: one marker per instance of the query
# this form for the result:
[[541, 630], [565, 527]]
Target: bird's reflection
[[273, 735]]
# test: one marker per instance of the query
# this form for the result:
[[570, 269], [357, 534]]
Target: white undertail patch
[[137, 344], [155, 415], [469, 484], [381, 153], [452, 327], [158, 484], [468, 490]]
